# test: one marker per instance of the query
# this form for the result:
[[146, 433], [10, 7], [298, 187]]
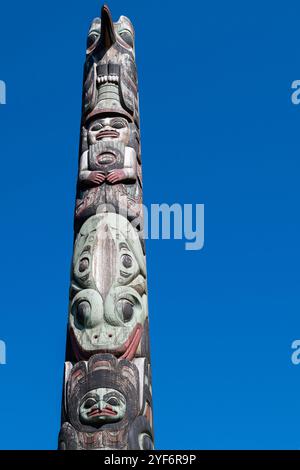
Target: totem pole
[[107, 401]]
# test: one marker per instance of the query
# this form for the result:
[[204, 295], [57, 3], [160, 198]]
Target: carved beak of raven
[[108, 36]]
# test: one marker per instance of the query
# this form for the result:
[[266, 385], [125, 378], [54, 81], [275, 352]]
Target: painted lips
[[126, 351], [104, 134], [131, 345], [105, 412]]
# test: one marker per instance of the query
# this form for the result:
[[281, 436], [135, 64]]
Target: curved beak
[[108, 36]]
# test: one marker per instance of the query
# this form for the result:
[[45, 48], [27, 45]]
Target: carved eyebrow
[[96, 123], [95, 26], [90, 395], [119, 119], [123, 246], [116, 395], [125, 30]]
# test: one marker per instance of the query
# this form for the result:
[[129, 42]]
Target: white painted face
[[107, 129], [101, 406]]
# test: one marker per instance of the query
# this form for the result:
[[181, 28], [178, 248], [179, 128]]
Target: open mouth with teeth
[[105, 412], [109, 133], [108, 79]]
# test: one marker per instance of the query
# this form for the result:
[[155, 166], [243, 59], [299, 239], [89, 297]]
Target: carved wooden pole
[[107, 387]]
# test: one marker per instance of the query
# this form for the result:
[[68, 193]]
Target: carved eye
[[92, 38], [118, 124], [89, 403], [113, 401], [96, 127], [126, 261], [83, 265], [127, 36], [83, 312], [125, 310]]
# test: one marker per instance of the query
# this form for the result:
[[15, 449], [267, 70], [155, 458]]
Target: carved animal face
[[110, 71], [108, 312], [123, 33], [102, 406]]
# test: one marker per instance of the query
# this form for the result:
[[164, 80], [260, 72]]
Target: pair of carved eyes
[[126, 261], [125, 35], [113, 401], [124, 308], [119, 124]]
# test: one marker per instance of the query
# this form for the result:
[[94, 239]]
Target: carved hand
[[96, 177], [116, 175]]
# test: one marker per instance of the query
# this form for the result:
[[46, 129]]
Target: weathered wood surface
[[107, 399]]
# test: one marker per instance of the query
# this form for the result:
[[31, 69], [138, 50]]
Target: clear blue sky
[[218, 128]]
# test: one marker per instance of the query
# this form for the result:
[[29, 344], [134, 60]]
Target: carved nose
[[104, 263], [107, 128], [107, 132], [100, 405]]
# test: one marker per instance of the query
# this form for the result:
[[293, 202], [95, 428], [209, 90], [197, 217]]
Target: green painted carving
[[107, 400], [102, 405], [108, 311]]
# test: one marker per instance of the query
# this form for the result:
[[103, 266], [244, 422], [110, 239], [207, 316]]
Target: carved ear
[[77, 374], [134, 141], [102, 362], [130, 371], [84, 143]]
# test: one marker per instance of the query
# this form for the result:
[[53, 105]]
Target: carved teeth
[[108, 78]]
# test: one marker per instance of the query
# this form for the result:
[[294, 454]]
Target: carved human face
[[108, 129], [101, 406]]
